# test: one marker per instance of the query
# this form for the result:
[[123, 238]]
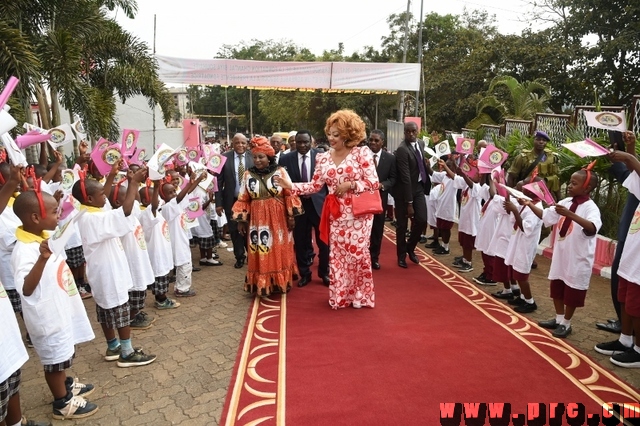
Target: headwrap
[[260, 144]]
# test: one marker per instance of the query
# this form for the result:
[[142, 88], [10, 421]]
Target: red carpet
[[432, 339]]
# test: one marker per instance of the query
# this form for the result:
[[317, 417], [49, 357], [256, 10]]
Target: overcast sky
[[198, 28]]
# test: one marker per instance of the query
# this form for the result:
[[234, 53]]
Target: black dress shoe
[[402, 263], [375, 265], [413, 258], [612, 327], [304, 281], [325, 280], [194, 269], [239, 263]]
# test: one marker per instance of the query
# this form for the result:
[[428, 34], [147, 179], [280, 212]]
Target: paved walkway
[[197, 344]]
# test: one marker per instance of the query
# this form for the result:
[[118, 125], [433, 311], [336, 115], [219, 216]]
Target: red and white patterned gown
[[349, 258]]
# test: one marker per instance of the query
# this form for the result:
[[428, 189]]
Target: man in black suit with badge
[[300, 165], [229, 182], [412, 184], [386, 167]]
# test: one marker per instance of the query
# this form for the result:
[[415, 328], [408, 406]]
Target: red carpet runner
[[433, 339]]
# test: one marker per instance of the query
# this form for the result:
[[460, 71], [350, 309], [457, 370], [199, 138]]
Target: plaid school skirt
[[205, 243], [75, 257], [61, 366], [114, 318], [14, 297], [136, 300], [160, 285], [8, 388]]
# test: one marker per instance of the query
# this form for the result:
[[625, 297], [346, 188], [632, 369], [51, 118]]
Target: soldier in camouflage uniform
[[544, 159]]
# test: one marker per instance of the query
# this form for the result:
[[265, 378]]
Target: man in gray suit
[[412, 184], [386, 167], [229, 182], [300, 165]]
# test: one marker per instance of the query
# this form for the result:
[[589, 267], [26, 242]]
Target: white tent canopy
[[368, 76]]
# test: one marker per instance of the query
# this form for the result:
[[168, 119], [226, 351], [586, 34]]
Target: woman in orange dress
[[265, 215]]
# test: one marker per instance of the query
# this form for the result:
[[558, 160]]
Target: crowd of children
[[119, 219]]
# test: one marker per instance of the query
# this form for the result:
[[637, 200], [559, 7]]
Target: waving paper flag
[[194, 208], [69, 177], [129, 141], [490, 158], [465, 145], [541, 191], [216, 162], [586, 148], [59, 239], [78, 128], [138, 157], [470, 168], [13, 151], [104, 157], [191, 132], [514, 192], [606, 120], [7, 122], [157, 162], [60, 135], [442, 149]]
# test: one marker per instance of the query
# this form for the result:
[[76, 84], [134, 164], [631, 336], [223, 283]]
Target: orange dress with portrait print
[[262, 204]]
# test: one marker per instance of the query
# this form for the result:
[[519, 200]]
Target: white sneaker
[[76, 408], [356, 305], [222, 244], [80, 389]]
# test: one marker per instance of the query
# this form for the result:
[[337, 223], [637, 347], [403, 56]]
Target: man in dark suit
[[412, 184], [386, 168], [300, 165], [229, 181]]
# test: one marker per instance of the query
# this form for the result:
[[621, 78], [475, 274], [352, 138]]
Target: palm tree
[[73, 50], [508, 98]]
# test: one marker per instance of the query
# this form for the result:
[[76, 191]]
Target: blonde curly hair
[[350, 126]]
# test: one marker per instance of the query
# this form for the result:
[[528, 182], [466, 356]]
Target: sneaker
[[167, 304], [213, 262], [423, 239], [441, 251], [77, 388], [457, 261], [141, 321], [432, 245], [76, 408], [113, 354], [611, 348], [516, 292], [189, 293], [222, 244], [458, 258], [84, 294], [135, 359], [502, 294], [465, 267], [526, 308], [483, 280], [628, 359]]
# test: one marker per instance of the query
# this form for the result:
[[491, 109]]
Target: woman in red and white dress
[[345, 169]]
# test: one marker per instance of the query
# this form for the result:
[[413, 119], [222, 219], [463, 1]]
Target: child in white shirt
[[446, 211], [174, 213], [624, 353], [578, 221], [135, 249], [472, 195], [101, 232], [203, 232], [53, 311], [156, 234], [522, 248]]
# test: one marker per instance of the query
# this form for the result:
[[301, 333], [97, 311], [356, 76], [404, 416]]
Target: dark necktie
[[574, 206], [423, 171], [375, 160], [303, 171], [240, 168]]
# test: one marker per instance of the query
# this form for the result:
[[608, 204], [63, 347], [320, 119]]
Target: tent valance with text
[[292, 75]]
